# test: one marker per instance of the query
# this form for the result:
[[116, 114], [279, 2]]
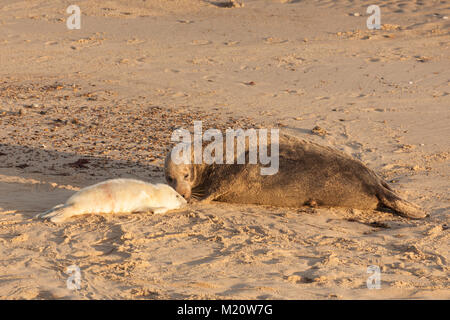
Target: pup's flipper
[[159, 210], [58, 213], [42, 214]]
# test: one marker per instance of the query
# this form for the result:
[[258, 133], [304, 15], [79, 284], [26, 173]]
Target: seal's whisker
[[197, 194]]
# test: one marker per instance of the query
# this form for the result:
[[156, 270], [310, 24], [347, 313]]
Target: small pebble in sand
[[422, 59], [237, 4], [320, 279], [31, 106], [294, 279], [312, 203], [230, 4], [319, 131]]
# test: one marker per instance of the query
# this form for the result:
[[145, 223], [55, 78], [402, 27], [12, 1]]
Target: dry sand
[[81, 106]]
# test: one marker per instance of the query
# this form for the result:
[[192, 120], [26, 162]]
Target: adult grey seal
[[308, 174]]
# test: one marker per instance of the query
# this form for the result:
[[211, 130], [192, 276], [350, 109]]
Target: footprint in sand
[[200, 42], [271, 40]]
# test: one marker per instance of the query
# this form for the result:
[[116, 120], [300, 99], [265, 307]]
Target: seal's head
[[182, 177], [167, 197]]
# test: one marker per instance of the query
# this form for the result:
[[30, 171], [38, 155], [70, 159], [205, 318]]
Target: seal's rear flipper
[[42, 214], [400, 206], [57, 214]]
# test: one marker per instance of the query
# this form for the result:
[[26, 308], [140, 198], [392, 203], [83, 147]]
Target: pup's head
[[169, 197], [181, 177]]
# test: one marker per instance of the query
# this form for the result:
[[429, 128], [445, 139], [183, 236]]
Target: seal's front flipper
[[214, 196], [159, 210]]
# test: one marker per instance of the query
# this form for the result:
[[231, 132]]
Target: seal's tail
[[57, 214], [402, 207]]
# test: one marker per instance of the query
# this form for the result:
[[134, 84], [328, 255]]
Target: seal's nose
[[181, 199], [186, 196], [183, 190]]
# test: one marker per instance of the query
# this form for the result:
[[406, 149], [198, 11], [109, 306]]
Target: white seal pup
[[117, 196]]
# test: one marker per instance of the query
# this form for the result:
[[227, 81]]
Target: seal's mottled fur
[[308, 174]]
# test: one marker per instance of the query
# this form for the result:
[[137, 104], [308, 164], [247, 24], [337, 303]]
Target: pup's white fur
[[117, 196]]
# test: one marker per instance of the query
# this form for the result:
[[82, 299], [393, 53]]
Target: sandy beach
[[81, 106]]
